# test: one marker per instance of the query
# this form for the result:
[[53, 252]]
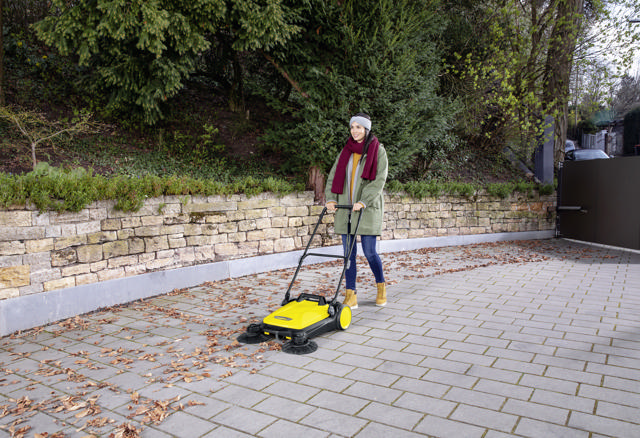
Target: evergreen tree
[[140, 51], [380, 57]]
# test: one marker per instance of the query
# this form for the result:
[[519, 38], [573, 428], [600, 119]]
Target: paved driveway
[[533, 339]]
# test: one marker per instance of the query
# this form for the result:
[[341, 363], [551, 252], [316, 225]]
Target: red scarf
[[370, 165]]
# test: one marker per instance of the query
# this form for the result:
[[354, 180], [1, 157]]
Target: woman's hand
[[358, 206], [331, 206]]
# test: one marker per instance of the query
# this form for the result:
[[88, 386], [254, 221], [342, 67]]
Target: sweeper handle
[[306, 253]]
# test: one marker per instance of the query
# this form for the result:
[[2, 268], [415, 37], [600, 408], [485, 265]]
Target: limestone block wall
[[41, 252]]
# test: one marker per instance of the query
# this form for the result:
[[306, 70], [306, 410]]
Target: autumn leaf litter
[[185, 337]]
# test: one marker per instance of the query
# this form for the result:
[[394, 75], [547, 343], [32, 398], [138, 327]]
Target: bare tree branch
[[36, 129], [284, 74]]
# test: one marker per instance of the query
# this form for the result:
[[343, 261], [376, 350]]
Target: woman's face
[[357, 132]]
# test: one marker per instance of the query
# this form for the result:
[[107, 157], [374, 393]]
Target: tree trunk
[[1, 53], [564, 35], [316, 183], [236, 95], [34, 160]]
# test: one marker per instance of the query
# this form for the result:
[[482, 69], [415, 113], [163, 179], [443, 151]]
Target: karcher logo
[[284, 318]]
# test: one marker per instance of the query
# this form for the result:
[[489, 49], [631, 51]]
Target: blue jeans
[[370, 252]]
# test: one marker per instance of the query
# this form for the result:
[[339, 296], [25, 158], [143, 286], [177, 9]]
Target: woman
[[357, 178]]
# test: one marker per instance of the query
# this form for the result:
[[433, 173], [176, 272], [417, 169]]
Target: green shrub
[[50, 188], [53, 189], [546, 189], [500, 190], [503, 190]]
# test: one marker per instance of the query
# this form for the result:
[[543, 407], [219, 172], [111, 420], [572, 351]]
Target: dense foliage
[[140, 52], [50, 188], [383, 59]]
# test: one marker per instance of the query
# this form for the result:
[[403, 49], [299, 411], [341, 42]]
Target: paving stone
[[401, 369], [536, 411], [376, 430], [484, 417], [284, 408], [520, 366], [610, 395], [557, 399], [291, 360], [375, 377], [428, 341], [328, 367], [425, 404], [603, 425], [450, 378], [475, 398], [445, 335], [539, 429], [252, 381], [404, 328], [381, 334], [471, 358], [240, 396], [503, 389], [329, 421], [368, 391], [402, 357], [354, 348], [225, 432], [285, 372], [441, 427], [572, 375], [445, 366], [564, 386], [620, 412], [422, 387], [293, 391], [181, 422], [324, 381], [287, 429], [358, 361], [623, 384], [390, 415], [508, 356], [243, 420], [393, 345], [337, 402], [497, 434], [427, 351]]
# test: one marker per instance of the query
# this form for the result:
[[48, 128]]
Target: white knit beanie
[[362, 120]]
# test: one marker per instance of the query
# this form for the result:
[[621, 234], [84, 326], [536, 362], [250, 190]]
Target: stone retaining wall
[[41, 252]]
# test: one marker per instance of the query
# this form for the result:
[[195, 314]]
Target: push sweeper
[[308, 315]]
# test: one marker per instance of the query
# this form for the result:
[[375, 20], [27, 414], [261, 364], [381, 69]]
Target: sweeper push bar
[[350, 244]]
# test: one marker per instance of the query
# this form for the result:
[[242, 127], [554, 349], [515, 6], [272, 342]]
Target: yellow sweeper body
[[310, 314]]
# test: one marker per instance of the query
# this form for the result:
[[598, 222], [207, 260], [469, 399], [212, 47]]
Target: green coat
[[368, 192]]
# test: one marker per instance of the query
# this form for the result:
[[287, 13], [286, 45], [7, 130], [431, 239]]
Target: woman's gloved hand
[[331, 206]]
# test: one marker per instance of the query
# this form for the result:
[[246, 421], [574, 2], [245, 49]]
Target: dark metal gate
[[599, 201]]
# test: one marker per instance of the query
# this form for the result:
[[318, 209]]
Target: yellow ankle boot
[[381, 299], [351, 299]]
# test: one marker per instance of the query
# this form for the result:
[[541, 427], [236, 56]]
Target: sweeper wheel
[[343, 320], [299, 344], [253, 335]]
